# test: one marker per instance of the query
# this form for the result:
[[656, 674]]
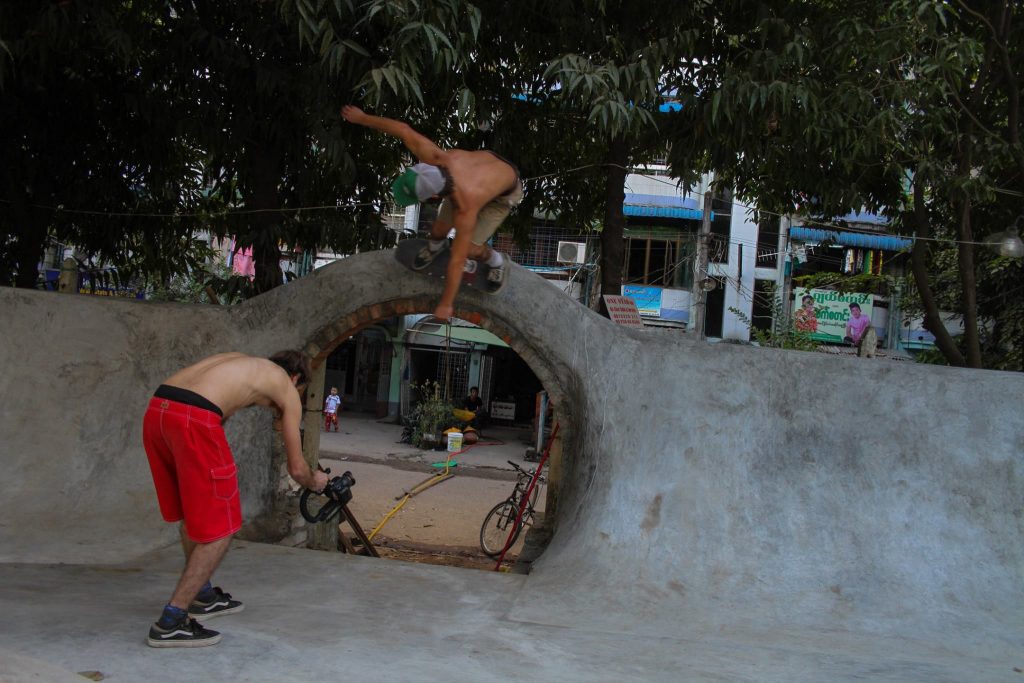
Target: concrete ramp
[[729, 496]]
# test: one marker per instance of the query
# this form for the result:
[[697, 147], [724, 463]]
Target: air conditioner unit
[[572, 252]]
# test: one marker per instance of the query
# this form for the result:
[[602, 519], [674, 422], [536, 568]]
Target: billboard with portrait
[[826, 314]]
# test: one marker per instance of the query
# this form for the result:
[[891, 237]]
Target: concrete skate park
[[724, 512]]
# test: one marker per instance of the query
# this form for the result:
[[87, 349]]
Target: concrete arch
[[329, 336], [708, 489]]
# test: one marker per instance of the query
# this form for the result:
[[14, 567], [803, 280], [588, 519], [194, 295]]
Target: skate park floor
[[316, 616]]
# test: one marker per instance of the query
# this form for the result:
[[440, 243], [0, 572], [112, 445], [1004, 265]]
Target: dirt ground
[[440, 525]]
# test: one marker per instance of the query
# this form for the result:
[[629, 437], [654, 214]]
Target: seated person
[[474, 403]]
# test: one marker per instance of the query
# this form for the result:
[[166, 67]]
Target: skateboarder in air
[[477, 191]]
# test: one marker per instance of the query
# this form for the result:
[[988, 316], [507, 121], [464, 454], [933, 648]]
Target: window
[[659, 262], [761, 313], [721, 227], [768, 242]]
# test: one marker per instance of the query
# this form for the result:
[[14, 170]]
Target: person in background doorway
[[856, 325], [195, 475], [806, 319], [474, 403], [332, 405]]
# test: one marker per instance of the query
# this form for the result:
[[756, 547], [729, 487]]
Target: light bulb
[[1011, 244], [1007, 242]]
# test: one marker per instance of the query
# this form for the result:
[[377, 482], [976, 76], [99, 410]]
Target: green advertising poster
[[827, 316]]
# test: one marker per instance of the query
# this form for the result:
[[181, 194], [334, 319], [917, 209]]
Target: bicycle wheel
[[496, 526]]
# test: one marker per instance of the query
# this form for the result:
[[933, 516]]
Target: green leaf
[[355, 47]]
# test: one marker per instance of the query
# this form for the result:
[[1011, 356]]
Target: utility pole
[[323, 536], [67, 283], [698, 295], [781, 281]]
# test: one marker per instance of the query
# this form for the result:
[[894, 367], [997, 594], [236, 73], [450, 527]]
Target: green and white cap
[[417, 184]]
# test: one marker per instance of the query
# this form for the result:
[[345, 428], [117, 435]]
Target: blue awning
[[850, 239], [661, 206]]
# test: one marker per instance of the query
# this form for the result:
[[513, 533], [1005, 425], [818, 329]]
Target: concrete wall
[[76, 373], [706, 486]]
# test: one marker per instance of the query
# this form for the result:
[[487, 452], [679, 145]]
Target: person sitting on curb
[[478, 190], [195, 474], [475, 404]]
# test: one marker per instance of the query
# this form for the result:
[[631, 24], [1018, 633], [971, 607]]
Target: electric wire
[[354, 205]]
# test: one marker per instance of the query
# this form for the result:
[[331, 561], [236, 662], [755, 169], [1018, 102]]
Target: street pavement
[[446, 515], [362, 438]]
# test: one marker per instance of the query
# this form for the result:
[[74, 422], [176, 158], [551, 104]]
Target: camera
[[338, 493], [339, 489]]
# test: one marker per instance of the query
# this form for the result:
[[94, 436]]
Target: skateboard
[[405, 253]]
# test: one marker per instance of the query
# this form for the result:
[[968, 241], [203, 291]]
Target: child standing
[[331, 407]]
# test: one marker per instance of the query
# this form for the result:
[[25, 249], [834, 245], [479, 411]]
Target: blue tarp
[[850, 239]]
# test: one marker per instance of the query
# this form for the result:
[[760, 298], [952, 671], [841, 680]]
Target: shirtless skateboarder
[[478, 190], [194, 471]]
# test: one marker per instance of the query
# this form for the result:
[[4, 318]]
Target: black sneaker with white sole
[[186, 633], [220, 603]]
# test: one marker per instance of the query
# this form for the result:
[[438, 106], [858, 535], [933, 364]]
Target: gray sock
[[495, 260]]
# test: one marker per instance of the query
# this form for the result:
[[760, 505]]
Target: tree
[[610, 72], [821, 108], [555, 94], [265, 112], [88, 140], [144, 122]]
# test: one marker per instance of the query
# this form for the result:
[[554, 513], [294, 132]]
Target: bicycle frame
[[503, 515]]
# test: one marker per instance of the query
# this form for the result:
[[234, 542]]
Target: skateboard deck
[[405, 253]]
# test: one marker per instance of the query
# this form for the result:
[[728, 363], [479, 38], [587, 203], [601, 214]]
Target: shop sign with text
[[831, 312]]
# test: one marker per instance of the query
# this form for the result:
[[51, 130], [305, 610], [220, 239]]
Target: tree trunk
[[968, 286], [932, 319], [29, 246], [965, 252], [264, 175], [266, 258], [612, 247]]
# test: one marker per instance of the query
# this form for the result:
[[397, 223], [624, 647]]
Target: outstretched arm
[[422, 147]]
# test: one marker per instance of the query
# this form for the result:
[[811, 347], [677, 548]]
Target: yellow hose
[[416, 490]]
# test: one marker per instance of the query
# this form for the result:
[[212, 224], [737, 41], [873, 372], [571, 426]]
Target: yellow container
[[464, 415]]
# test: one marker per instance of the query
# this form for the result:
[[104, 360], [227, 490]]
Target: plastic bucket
[[454, 442]]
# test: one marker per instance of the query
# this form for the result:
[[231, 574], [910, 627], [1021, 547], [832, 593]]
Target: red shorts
[[193, 470]]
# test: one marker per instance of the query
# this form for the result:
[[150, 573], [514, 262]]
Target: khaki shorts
[[490, 216]]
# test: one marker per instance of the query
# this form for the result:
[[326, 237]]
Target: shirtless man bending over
[[478, 190], [195, 477]]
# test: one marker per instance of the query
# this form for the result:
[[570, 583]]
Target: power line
[[211, 214], [352, 205]]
